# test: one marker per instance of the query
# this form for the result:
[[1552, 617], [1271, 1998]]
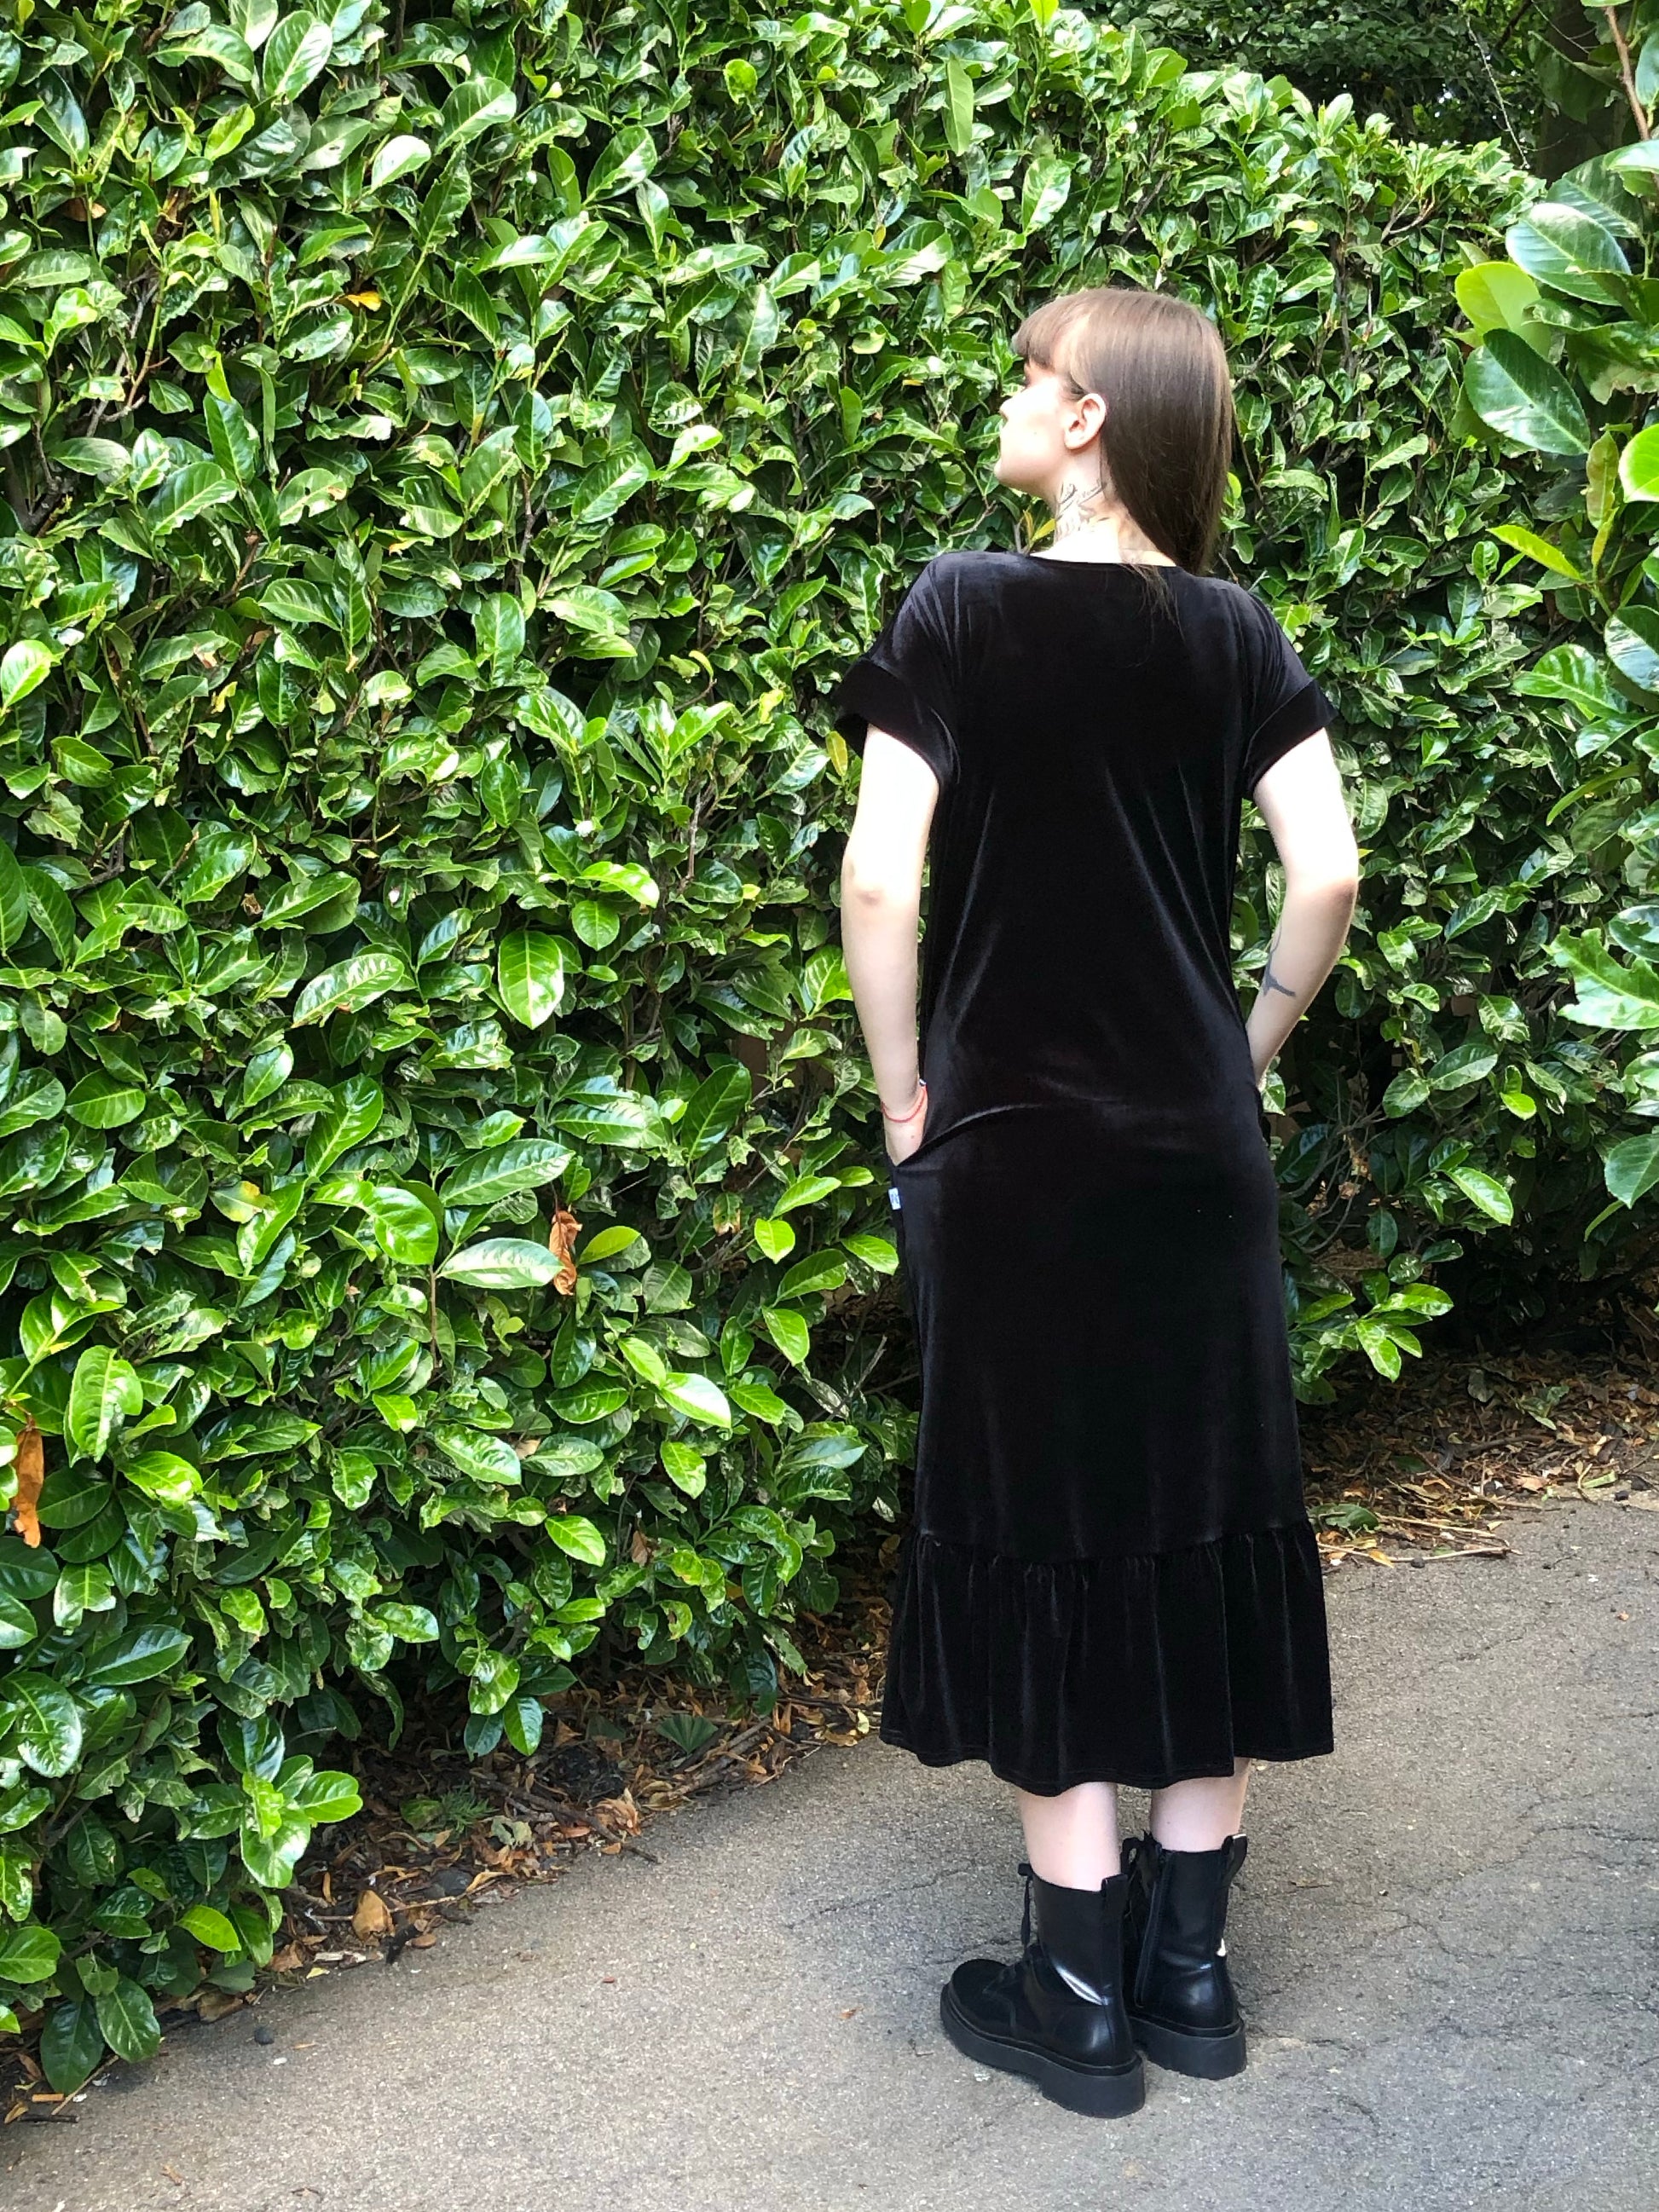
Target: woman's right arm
[[880, 907], [1300, 799]]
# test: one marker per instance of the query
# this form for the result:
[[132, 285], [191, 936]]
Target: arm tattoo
[[1269, 980]]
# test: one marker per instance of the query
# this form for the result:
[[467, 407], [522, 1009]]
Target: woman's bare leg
[[1200, 1815], [1071, 1839]]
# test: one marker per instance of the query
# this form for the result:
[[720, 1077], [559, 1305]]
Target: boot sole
[[1105, 2096], [1205, 2057]]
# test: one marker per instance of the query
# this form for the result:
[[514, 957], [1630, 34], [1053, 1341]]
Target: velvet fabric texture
[[1107, 1571]]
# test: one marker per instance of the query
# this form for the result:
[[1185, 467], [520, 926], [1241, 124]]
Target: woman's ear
[[1084, 420]]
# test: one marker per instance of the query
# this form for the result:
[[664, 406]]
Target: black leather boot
[[1056, 2013], [1176, 1984]]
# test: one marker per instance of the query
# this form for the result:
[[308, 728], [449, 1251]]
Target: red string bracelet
[[899, 1119]]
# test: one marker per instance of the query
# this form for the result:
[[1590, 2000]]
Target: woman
[[1109, 1576]]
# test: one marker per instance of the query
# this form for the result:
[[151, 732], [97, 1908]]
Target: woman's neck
[[1092, 525]]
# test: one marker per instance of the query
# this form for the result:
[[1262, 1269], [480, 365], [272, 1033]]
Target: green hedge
[[448, 461], [1563, 333]]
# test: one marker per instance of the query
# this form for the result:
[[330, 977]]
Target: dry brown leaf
[[31, 1473], [373, 1916], [288, 1959], [621, 1812], [563, 1245], [214, 2004]]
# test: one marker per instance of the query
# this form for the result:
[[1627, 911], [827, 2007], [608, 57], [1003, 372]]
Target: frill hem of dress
[[1145, 1670]]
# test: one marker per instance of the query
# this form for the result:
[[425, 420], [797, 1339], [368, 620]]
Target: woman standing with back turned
[[1110, 1574]]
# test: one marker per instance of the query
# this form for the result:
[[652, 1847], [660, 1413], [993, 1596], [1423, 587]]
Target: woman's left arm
[[880, 910]]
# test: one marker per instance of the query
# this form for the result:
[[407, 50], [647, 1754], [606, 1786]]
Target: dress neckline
[[1047, 561]]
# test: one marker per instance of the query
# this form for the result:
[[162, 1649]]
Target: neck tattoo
[[1081, 507]]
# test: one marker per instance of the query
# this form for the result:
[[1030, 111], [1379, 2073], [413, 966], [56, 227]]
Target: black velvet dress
[[1109, 1572]]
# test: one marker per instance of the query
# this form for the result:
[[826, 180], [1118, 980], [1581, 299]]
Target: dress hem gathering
[[1043, 1786], [1144, 1669]]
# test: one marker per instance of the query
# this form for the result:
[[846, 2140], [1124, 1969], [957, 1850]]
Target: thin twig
[[1627, 74]]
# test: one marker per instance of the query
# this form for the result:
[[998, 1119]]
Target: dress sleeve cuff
[[1293, 721], [873, 694]]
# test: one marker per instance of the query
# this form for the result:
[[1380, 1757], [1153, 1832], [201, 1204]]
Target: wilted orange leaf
[[31, 1472], [562, 1244]]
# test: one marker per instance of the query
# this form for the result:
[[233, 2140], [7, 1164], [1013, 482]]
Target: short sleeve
[[907, 683], [1285, 703]]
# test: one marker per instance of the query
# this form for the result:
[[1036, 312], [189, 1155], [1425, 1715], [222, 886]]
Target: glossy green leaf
[[71, 2044], [1610, 995], [18, 1625], [958, 107], [498, 627], [164, 1476], [138, 1656], [296, 53], [485, 1458], [187, 492], [1523, 397], [1630, 1168], [209, 1925], [351, 1112], [104, 1391], [46, 1720], [685, 1467], [775, 1237], [790, 1331], [483, 1178], [818, 1271], [1485, 1191], [29, 1954], [699, 1399], [1538, 548], [502, 1263], [1638, 466], [530, 977], [23, 667], [400, 156], [714, 1108], [577, 1535], [611, 1243], [1496, 295], [349, 986], [126, 2018]]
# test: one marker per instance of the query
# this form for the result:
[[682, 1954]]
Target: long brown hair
[[1159, 364]]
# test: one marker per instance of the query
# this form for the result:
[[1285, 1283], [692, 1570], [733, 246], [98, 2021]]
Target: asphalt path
[[1445, 1938]]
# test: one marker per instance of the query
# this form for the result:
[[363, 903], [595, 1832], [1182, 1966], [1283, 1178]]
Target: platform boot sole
[[1205, 2057], [1105, 2096]]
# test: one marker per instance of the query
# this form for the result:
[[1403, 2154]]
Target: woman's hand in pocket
[[904, 1137]]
